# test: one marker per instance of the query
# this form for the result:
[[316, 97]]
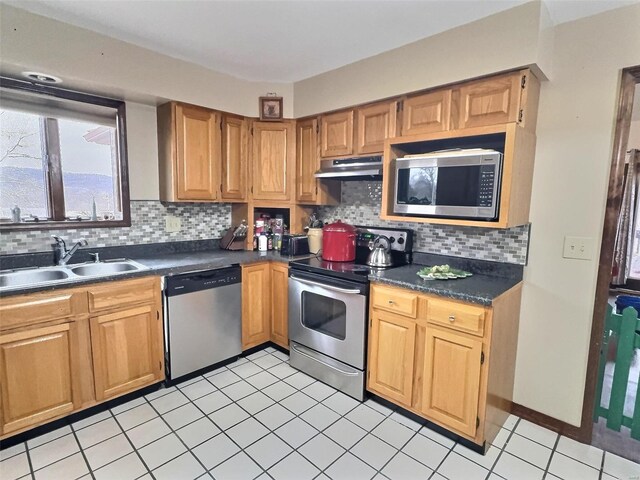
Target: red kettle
[[339, 242]]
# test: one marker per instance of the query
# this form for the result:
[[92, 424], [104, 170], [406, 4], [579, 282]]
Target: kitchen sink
[[32, 276], [108, 268], [12, 279]]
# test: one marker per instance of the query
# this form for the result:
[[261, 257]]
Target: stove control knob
[[392, 239], [401, 240]]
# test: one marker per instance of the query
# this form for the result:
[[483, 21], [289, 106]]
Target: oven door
[[328, 315]]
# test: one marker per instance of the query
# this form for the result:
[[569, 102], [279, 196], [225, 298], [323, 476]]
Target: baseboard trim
[[563, 428]]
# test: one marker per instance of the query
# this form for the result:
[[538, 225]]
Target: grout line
[[135, 450], [31, 470], [502, 450], [553, 452], [84, 456]]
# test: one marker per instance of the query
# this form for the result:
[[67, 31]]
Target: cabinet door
[[391, 354], [273, 149], [280, 304], [336, 132], [234, 158], [197, 153], [489, 102], [256, 305], [307, 161], [127, 350], [452, 379], [38, 374], [375, 123], [426, 113]]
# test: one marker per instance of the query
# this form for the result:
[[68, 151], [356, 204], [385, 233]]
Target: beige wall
[[517, 37], [105, 65], [575, 130], [575, 127], [142, 147], [634, 134]]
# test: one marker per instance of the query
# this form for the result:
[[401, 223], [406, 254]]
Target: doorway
[[598, 380]]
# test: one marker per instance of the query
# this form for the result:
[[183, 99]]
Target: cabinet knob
[[391, 302], [452, 318]]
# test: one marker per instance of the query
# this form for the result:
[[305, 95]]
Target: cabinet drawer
[[466, 318], [118, 294], [394, 300], [35, 308]]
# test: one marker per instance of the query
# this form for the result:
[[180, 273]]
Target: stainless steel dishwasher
[[202, 320]]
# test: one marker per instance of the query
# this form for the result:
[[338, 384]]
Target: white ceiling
[[283, 41]]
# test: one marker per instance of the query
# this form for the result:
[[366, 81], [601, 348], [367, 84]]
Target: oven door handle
[[328, 287], [316, 359]]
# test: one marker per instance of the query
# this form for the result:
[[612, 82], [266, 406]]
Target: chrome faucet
[[61, 253]]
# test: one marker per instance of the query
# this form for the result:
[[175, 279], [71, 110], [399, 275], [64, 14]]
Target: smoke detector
[[42, 77]]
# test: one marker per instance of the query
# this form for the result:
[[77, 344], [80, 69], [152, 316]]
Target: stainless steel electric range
[[328, 311]]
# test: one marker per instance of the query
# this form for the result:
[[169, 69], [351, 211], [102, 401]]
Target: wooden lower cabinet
[[256, 304], [265, 304], [76, 352], [127, 351], [38, 369], [458, 375], [452, 379], [391, 352], [280, 304]]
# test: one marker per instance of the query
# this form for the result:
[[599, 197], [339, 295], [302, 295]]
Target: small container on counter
[[262, 242]]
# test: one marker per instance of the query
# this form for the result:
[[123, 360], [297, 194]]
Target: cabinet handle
[[452, 318], [391, 302]]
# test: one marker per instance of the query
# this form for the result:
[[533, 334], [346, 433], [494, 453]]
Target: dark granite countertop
[[166, 263], [489, 280]]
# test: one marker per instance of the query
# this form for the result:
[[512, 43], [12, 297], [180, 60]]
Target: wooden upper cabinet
[[39, 375], [198, 152], [280, 304], [374, 124], [391, 354], [307, 161], [189, 152], [427, 113], [336, 130], [127, 350], [272, 159], [490, 101], [451, 387], [256, 304], [234, 158]]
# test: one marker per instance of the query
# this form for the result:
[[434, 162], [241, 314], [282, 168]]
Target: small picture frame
[[271, 108]]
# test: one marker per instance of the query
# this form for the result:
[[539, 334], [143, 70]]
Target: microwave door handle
[[328, 287]]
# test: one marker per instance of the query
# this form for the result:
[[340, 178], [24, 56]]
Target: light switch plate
[[578, 247], [172, 224]]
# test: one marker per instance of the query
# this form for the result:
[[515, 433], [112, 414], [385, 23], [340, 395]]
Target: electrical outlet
[[172, 224], [578, 247]]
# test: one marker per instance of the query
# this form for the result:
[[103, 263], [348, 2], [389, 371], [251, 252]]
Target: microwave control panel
[[487, 182]]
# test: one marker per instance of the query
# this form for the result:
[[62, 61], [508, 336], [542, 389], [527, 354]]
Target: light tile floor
[[259, 418]]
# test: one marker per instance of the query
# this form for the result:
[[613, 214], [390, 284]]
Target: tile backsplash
[[360, 205], [199, 221]]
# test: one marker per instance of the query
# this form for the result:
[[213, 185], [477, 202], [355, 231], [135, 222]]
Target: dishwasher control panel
[[204, 280]]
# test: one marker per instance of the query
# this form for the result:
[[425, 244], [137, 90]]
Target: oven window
[[325, 315]]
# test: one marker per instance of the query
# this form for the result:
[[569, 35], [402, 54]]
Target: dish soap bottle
[[15, 214]]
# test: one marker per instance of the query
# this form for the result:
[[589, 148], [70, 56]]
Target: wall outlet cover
[[172, 223], [581, 248]]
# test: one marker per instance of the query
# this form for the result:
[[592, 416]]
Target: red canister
[[339, 242]]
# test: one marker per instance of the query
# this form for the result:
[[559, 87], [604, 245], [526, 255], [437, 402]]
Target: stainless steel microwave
[[449, 184]]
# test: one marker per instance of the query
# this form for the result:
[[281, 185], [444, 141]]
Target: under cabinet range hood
[[351, 168]]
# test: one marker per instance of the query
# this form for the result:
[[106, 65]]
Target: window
[[62, 158]]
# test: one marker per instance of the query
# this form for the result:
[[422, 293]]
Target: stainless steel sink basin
[[10, 280], [31, 277], [109, 268]]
